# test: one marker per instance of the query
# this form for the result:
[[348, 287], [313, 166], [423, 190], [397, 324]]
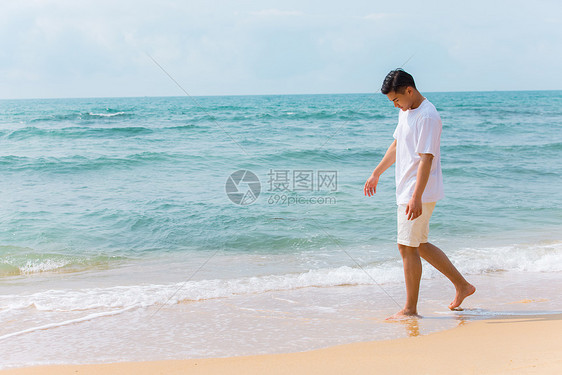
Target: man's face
[[403, 101]]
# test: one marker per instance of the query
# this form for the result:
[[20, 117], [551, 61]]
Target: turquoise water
[[130, 177], [131, 193]]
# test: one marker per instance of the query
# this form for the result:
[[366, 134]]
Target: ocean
[[177, 227]]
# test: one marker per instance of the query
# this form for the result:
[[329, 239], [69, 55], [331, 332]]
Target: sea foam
[[543, 257]]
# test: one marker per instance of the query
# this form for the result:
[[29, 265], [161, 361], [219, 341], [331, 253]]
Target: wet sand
[[527, 344]]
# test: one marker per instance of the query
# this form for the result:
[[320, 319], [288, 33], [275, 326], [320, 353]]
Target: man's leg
[[437, 258], [412, 274]]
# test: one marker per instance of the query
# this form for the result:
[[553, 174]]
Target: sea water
[[177, 227]]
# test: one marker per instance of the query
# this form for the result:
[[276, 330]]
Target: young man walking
[[419, 185]]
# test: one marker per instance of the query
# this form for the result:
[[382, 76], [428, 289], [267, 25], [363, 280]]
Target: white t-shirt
[[418, 132]]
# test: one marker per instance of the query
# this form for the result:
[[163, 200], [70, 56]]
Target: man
[[419, 185]]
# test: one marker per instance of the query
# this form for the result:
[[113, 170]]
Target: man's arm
[[389, 158], [414, 207]]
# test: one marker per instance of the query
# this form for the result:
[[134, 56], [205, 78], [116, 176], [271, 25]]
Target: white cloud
[[96, 47]]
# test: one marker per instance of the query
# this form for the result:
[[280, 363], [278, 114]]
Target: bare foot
[[403, 314], [462, 293]]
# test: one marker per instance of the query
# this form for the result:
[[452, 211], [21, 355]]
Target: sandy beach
[[528, 344]]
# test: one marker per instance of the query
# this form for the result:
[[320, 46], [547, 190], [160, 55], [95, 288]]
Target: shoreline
[[515, 344]]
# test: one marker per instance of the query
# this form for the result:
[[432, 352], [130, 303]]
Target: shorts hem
[[410, 244]]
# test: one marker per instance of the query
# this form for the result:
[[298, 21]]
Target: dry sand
[[509, 345]]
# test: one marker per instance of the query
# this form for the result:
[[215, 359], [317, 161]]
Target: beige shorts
[[413, 232]]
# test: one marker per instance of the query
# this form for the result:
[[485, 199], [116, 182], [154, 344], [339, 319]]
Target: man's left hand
[[414, 208]]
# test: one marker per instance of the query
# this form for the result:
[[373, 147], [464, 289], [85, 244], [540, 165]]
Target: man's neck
[[418, 101]]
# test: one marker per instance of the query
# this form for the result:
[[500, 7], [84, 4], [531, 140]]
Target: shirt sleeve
[[429, 136]]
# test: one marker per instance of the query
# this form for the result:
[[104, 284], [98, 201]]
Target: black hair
[[397, 81]]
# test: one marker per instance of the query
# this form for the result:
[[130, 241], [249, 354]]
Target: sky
[[101, 48]]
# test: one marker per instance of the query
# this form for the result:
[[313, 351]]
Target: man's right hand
[[371, 185]]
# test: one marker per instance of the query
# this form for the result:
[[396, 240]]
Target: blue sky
[[68, 48]]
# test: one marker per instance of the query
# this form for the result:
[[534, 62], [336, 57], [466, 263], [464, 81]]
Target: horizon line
[[242, 95]]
